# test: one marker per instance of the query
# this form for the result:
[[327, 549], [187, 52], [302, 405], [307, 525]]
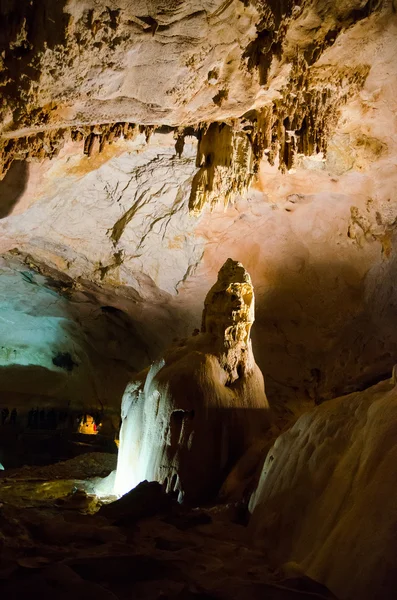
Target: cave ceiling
[[143, 143], [73, 70]]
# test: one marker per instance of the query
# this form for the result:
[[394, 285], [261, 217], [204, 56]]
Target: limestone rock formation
[[190, 417], [326, 499], [130, 217], [142, 142], [253, 67]]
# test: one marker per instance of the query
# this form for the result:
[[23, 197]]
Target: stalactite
[[225, 161], [299, 123], [47, 144]]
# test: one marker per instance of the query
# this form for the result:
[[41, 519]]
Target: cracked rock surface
[[136, 212]]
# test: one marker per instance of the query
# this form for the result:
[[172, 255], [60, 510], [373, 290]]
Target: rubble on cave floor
[[64, 484], [143, 546]]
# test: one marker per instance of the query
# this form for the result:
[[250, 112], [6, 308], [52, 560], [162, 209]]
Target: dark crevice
[[12, 187], [64, 360]]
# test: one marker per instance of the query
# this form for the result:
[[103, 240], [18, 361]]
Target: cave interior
[[198, 299]]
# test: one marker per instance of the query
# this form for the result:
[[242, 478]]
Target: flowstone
[[188, 418]]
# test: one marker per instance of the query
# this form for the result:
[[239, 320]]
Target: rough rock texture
[[326, 495], [168, 61], [318, 240], [253, 66], [134, 198], [114, 210], [61, 347], [192, 415], [208, 59]]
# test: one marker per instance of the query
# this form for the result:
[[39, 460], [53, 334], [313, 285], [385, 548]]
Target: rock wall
[[326, 495], [61, 348], [255, 68]]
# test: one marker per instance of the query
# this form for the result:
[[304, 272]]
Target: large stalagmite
[[189, 417]]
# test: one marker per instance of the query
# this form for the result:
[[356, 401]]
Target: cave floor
[[55, 543]]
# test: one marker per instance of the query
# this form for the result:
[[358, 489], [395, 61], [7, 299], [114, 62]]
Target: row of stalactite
[[98, 136], [228, 154], [47, 144], [302, 121]]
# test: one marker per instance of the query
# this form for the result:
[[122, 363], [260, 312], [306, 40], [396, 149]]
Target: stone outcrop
[[192, 415], [326, 498]]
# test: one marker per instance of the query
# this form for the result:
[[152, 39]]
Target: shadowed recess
[[12, 187]]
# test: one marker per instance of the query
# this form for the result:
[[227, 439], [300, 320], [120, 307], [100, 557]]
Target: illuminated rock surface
[[193, 414], [133, 218], [326, 497], [176, 64], [54, 339]]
